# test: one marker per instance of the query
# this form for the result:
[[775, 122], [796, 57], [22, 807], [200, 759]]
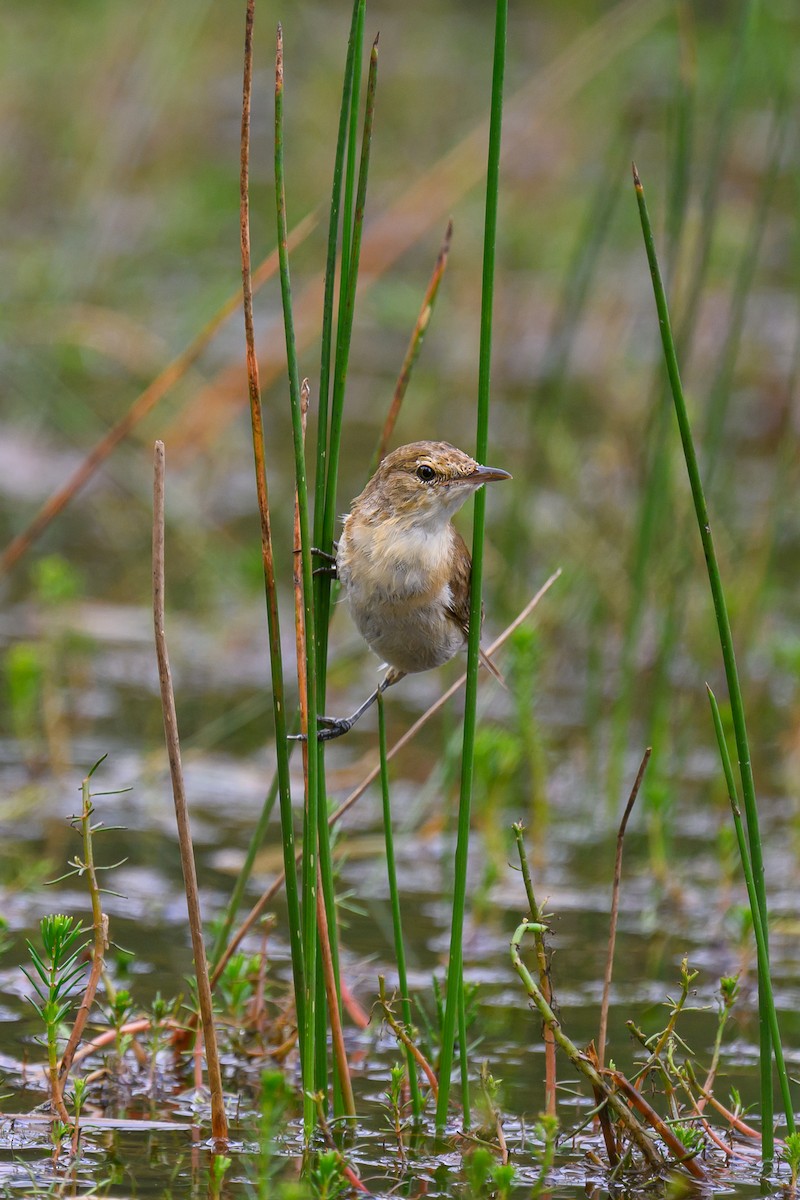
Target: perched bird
[[405, 570]]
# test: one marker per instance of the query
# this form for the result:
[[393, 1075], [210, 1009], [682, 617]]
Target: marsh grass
[[454, 1008], [758, 893], [510, 768]]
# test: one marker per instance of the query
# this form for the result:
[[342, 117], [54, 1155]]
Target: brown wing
[[460, 581]]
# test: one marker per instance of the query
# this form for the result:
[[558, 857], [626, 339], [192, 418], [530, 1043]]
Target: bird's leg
[[335, 727]]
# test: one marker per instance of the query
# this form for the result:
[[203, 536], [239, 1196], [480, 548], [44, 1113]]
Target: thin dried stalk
[[580, 1061], [537, 917], [402, 1036], [219, 1122], [612, 936]]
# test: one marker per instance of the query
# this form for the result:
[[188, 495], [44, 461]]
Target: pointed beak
[[485, 475]]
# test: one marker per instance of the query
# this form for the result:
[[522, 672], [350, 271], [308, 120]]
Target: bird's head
[[423, 484]]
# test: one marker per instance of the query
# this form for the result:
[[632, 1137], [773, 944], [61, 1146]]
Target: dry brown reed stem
[[537, 917], [100, 927], [142, 405], [400, 744], [708, 1129], [337, 1034], [603, 1117], [582, 1062], [414, 345], [654, 1120], [219, 1121], [330, 1141], [612, 934], [735, 1122], [332, 995], [402, 1036], [433, 195]]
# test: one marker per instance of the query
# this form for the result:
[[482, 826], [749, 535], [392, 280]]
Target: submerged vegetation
[[302, 1065]]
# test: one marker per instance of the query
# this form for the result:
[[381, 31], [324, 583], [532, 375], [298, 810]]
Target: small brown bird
[[404, 568]]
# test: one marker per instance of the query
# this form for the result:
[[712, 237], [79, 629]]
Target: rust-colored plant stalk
[[219, 1121]]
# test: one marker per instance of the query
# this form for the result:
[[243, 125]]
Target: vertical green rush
[[330, 282], [659, 489], [344, 330], [454, 970], [321, 583], [727, 648], [345, 327], [758, 928], [352, 157], [310, 839], [397, 920]]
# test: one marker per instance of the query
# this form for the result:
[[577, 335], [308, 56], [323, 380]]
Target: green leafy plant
[[56, 974], [326, 1177]]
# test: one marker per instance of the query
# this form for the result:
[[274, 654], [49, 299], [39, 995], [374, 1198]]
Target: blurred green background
[[120, 206], [120, 209]]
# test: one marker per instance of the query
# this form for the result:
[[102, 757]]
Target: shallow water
[[686, 912]]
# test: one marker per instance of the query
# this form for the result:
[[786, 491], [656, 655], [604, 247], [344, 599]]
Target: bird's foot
[[328, 728], [328, 566]]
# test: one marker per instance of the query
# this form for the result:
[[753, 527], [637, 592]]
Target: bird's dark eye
[[425, 473]]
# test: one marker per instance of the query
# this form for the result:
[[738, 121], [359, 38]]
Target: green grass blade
[[454, 977], [352, 156], [658, 496], [309, 915], [397, 920], [345, 329], [330, 280], [347, 296], [758, 928], [726, 645]]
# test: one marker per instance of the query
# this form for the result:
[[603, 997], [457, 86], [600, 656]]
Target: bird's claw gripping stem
[[328, 728]]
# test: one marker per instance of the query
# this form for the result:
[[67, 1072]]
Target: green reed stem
[[755, 909], [345, 327], [463, 1059], [454, 973], [658, 496], [348, 283], [397, 920], [268, 558], [328, 299], [726, 646], [308, 1029], [319, 646], [673, 588], [352, 156]]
